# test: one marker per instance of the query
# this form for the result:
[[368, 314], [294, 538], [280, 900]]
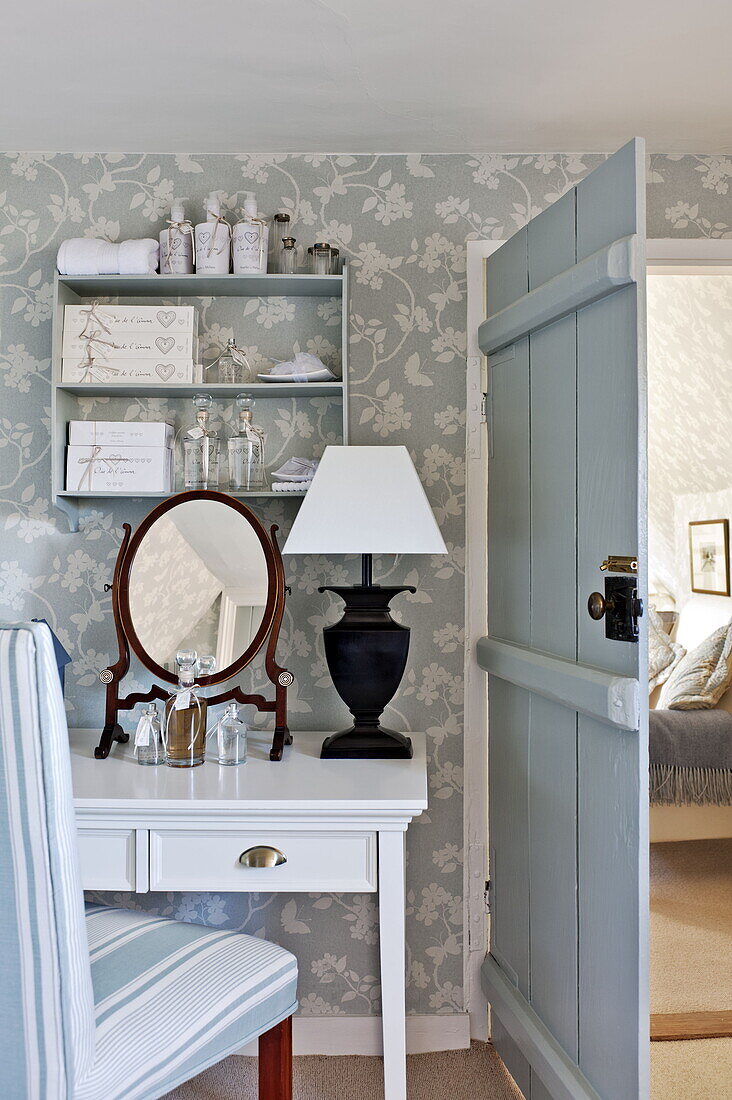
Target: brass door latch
[[621, 606]]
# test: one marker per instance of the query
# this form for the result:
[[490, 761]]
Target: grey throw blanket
[[691, 756]]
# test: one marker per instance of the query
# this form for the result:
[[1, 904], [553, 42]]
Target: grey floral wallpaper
[[689, 419], [401, 223]]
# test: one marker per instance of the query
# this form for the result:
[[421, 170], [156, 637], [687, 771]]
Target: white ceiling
[[389, 76]]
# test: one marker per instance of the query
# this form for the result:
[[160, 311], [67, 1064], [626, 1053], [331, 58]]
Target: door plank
[[553, 729], [674, 1026], [613, 769]]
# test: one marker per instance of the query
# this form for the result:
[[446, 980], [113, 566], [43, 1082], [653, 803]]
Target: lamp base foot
[[367, 743]]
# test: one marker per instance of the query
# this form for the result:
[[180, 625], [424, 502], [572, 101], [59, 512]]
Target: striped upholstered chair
[[108, 1004]]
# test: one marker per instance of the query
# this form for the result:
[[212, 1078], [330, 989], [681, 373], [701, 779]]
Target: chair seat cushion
[[172, 998]]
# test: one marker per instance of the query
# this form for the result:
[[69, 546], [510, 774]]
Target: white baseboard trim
[[362, 1034]]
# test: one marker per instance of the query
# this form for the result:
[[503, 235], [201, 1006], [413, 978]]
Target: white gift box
[[110, 347], [157, 319], [115, 433], [140, 371], [125, 470]]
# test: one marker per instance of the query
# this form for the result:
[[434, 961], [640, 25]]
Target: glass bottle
[[321, 258], [233, 365], [335, 260], [149, 747], [288, 257], [201, 448], [231, 737], [246, 449], [185, 717], [280, 228]]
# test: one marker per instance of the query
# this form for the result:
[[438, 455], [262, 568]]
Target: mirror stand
[[114, 674]]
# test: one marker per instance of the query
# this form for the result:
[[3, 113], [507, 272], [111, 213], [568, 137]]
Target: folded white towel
[[87, 256]]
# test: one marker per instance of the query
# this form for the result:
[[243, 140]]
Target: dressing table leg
[[392, 949]]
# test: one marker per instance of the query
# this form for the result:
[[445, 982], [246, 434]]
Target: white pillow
[[663, 654], [702, 677]]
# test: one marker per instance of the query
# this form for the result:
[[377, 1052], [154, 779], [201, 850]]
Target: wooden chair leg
[[275, 1062]]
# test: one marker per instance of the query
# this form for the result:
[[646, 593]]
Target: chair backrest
[[46, 999]]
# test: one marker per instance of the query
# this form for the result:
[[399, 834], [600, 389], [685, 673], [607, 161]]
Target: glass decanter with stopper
[[233, 365], [201, 448], [246, 449], [231, 737], [149, 747], [185, 716]]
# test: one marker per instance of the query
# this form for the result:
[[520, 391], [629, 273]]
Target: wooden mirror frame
[[268, 631]]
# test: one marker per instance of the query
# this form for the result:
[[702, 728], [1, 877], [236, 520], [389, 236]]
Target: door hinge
[[487, 896], [484, 408]]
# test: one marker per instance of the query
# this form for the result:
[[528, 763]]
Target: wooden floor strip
[[673, 1026]]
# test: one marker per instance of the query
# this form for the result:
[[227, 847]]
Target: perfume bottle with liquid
[[201, 448], [231, 738], [149, 748], [185, 716], [246, 449]]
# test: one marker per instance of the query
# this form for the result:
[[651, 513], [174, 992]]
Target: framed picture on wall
[[709, 556]]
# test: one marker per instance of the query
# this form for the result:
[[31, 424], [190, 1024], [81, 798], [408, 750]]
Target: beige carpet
[[691, 948], [691, 926], [475, 1074]]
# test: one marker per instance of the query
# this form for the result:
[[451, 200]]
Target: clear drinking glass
[[335, 261], [231, 738]]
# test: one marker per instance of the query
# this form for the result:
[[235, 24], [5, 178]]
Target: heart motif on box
[[204, 237], [165, 371], [166, 317], [165, 343], [251, 235]]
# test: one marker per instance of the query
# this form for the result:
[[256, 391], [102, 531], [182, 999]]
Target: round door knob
[[596, 605], [262, 856]]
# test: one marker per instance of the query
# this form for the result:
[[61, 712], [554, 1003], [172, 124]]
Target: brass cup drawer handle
[[262, 856]]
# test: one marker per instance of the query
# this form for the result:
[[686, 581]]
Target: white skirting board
[[362, 1034]]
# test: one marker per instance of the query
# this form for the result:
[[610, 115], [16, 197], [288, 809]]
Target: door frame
[[664, 256], [475, 744]]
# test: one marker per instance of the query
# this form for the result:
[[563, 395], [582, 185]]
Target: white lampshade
[[365, 500]]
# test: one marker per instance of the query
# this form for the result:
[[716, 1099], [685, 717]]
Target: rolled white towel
[[138, 257], [87, 256]]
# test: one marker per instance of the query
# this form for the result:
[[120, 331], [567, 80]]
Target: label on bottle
[[249, 248], [182, 700], [143, 731]]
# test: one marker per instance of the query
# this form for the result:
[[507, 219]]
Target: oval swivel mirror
[[200, 573]]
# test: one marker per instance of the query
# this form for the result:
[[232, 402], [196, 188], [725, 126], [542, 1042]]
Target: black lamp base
[[366, 652], [367, 743]]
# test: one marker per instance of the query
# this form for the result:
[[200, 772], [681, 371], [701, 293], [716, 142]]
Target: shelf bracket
[[70, 508]]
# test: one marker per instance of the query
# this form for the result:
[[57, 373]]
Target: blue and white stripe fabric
[[173, 998], [46, 1002], [144, 1003]]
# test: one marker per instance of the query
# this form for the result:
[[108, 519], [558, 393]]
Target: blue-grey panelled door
[[564, 333]]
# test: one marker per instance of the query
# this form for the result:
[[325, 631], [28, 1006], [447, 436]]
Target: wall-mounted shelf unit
[[67, 397]]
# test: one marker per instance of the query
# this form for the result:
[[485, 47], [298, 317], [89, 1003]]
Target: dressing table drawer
[[109, 859], [210, 860]]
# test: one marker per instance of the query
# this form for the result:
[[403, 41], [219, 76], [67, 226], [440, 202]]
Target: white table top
[[300, 781]]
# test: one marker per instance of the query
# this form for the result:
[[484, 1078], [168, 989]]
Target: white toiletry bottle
[[176, 242], [213, 240], [250, 240]]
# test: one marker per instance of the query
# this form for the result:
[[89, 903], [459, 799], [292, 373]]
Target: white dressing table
[[340, 825]]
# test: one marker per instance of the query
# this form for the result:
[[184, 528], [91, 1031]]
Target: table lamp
[[366, 500]]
